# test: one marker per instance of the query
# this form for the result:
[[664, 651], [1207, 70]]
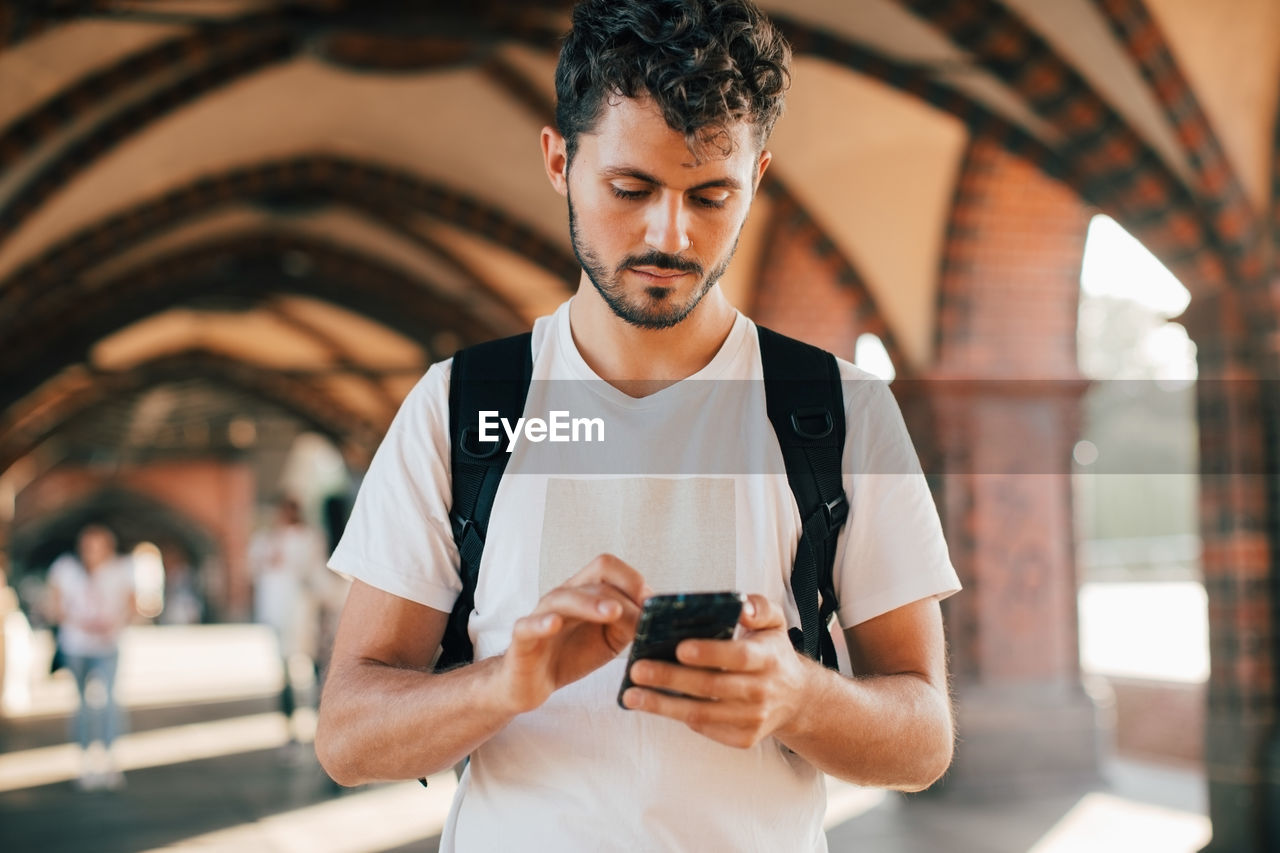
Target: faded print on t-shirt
[[678, 532]]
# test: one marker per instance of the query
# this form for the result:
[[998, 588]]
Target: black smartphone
[[665, 620]]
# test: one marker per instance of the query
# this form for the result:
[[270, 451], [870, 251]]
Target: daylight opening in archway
[[1143, 611], [869, 354]]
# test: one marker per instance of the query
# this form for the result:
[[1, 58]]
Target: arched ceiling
[[1230, 53], [341, 192]]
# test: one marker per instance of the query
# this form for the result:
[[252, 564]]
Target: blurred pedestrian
[[92, 600], [183, 604], [288, 564]]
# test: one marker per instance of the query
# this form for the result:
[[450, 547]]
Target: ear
[[555, 159], [766, 157]]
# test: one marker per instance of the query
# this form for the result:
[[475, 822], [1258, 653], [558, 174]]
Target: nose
[[665, 227]]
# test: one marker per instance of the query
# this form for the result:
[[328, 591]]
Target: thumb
[[759, 614]]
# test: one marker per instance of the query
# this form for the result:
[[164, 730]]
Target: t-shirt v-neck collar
[[571, 359]]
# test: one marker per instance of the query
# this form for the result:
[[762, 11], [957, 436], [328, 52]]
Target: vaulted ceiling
[[296, 206]]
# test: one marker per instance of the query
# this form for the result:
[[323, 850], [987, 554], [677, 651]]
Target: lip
[[658, 275]]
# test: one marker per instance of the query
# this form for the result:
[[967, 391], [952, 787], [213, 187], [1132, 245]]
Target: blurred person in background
[[288, 560], [91, 598], [183, 604], [15, 647]]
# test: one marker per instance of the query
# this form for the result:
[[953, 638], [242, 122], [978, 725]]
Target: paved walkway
[[215, 773]]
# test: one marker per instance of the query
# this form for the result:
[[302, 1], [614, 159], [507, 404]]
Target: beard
[[656, 307]]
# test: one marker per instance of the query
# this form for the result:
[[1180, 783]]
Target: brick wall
[[1004, 409], [807, 289], [218, 497], [996, 417]]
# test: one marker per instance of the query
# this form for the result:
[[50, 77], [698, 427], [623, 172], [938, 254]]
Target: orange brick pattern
[[1241, 533], [1221, 192], [1007, 304], [383, 192], [1009, 287], [218, 498], [50, 117], [42, 414], [1106, 161], [52, 331], [91, 145], [808, 289]]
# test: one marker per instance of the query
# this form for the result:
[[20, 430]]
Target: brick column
[[1237, 413], [998, 414]]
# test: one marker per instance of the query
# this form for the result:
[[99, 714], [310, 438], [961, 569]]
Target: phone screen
[[666, 620]]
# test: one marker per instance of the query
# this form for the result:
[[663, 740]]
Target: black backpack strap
[[806, 407], [488, 377]]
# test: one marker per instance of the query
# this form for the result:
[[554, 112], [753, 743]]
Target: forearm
[[379, 722], [889, 731]]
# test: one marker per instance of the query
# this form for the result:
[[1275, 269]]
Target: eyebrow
[[628, 172]]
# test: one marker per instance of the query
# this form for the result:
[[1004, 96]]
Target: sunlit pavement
[[216, 774]]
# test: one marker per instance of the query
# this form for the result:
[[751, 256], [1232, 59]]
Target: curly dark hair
[[706, 63]]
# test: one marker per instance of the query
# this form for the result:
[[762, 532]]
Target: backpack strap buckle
[[471, 445], [812, 422], [837, 512], [470, 541]]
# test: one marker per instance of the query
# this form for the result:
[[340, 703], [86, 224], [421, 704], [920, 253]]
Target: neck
[[639, 361]]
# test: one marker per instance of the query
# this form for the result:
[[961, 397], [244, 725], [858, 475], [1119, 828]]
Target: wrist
[[504, 688], [810, 680]]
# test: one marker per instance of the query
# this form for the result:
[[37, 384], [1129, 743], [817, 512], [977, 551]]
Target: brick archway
[[248, 267], [48, 413], [133, 515], [808, 288], [382, 192], [995, 419], [205, 505]]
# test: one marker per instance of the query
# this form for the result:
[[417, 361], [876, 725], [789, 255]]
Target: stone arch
[[238, 47], [1114, 168], [211, 501], [133, 515], [381, 191], [242, 267], [81, 152], [807, 287], [297, 395], [1219, 189], [1109, 164], [28, 131]]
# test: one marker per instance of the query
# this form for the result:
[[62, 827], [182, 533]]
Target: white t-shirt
[[287, 562], [95, 605], [688, 487]]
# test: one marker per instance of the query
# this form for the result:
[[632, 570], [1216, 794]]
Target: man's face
[[653, 227]]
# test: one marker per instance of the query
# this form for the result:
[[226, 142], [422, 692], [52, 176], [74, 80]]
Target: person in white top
[[92, 601], [663, 113], [287, 561]]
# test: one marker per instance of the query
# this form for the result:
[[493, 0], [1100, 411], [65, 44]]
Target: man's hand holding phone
[[734, 691], [575, 629]]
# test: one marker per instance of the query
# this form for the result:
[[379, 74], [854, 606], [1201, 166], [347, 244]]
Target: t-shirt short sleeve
[[891, 551], [398, 538], [63, 573]]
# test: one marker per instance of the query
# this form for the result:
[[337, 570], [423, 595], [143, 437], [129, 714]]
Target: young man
[[663, 110]]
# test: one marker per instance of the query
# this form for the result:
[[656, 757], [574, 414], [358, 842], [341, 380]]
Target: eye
[[629, 195], [712, 203]]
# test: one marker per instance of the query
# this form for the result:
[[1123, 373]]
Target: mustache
[[662, 260]]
